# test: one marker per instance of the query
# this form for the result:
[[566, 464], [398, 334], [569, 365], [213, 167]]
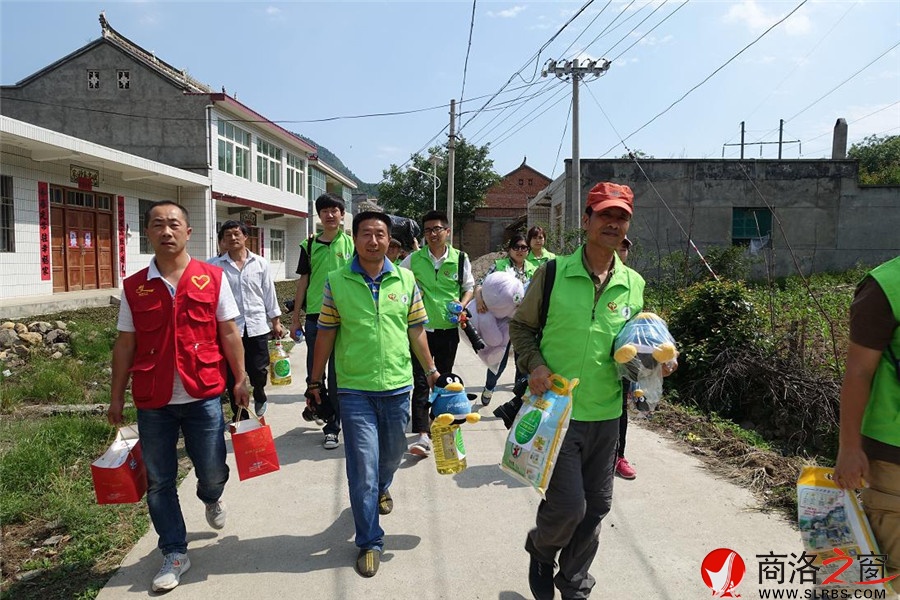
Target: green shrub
[[711, 318]]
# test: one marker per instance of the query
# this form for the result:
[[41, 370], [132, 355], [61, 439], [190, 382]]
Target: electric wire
[[543, 91], [797, 65], [835, 88], [662, 200], [535, 58], [666, 18], [799, 268], [562, 138], [633, 29], [518, 126], [710, 76], [829, 132], [462, 93]]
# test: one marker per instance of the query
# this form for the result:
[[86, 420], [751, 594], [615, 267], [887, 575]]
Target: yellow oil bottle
[[279, 365], [449, 451]]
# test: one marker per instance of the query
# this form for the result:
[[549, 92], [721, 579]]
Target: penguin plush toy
[[450, 403]]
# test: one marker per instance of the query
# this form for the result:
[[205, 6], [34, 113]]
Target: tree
[[879, 160], [638, 154], [409, 193]]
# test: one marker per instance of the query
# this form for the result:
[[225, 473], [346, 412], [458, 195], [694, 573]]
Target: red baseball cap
[[611, 195]]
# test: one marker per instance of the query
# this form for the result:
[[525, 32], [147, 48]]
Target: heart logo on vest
[[201, 281]]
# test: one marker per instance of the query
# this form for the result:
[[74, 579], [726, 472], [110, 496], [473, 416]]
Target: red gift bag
[[254, 448], [120, 476]]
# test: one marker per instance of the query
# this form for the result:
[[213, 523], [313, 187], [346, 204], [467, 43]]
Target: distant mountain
[[371, 189]]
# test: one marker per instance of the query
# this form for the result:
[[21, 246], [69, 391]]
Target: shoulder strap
[[549, 280], [462, 270], [309, 242]]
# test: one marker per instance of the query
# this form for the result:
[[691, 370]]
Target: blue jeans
[[374, 443], [332, 425], [203, 426]]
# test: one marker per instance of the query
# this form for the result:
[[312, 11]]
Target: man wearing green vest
[[870, 408], [593, 295], [326, 251], [372, 314], [443, 274]]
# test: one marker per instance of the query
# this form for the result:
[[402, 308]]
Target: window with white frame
[[234, 150], [268, 164], [316, 183], [294, 178], [7, 215], [276, 245], [143, 207]]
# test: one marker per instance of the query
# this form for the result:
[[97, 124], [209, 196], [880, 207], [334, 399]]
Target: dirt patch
[[771, 476]]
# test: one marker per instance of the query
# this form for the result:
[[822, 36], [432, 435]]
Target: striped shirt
[[330, 317]]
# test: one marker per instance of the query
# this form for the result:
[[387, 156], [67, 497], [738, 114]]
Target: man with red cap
[[592, 297]]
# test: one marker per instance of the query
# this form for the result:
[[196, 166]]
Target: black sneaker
[[540, 579], [367, 562], [508, 411]]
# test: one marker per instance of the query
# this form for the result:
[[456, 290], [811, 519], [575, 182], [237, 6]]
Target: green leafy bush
[[711, 317]]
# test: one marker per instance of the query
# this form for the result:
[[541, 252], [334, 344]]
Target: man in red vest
[[176, 329]]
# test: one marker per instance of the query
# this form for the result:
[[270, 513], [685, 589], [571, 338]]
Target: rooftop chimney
[[839, 143]]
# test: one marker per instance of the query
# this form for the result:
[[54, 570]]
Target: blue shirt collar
[[386, 267]]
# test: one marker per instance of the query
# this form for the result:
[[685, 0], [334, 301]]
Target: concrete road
[[290, 533]]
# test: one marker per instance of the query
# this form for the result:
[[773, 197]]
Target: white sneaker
[[260, 408], [422, 446], [331, 441], [174, 566], [215, 514]]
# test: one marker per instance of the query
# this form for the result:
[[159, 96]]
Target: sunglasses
[[519, 248]]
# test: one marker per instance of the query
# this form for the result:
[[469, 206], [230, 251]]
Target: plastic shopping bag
[[834, 528], [533, 442]]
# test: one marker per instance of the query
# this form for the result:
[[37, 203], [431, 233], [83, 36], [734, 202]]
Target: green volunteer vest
[[578, 337], [503, 264], [534, 260], [437, 287], [881, 421], [372, 341], [323, 259]]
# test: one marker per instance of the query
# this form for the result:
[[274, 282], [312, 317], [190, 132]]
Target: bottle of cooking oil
[[279, 365], [449, 451]]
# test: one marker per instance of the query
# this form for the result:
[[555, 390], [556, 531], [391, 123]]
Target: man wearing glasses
[[443, 274]]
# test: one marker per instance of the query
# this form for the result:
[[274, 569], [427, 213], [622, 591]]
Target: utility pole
[[451, 166], [577, 69]]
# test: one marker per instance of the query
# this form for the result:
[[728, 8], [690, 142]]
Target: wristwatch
[[431, 371]]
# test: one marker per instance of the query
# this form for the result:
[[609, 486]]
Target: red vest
[[179, 332]]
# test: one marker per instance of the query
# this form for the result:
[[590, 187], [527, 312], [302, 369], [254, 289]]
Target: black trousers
[[443, 344], [256, 363]]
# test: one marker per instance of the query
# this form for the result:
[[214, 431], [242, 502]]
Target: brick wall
[[515, 189]]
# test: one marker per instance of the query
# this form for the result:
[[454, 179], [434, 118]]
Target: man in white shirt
[[253, 288]]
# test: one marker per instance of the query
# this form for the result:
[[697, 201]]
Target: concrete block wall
[[174, 128], [821, 218]]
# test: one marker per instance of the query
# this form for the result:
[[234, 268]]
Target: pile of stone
[[18, 341]]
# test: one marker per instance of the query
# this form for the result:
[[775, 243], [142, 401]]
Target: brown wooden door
[[104, 250], [81, 250], [253, 240], [58, 248]]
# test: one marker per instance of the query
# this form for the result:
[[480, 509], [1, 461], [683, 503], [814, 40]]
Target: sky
[[683, 75]]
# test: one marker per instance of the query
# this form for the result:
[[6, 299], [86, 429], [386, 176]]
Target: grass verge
[[57, 541]]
